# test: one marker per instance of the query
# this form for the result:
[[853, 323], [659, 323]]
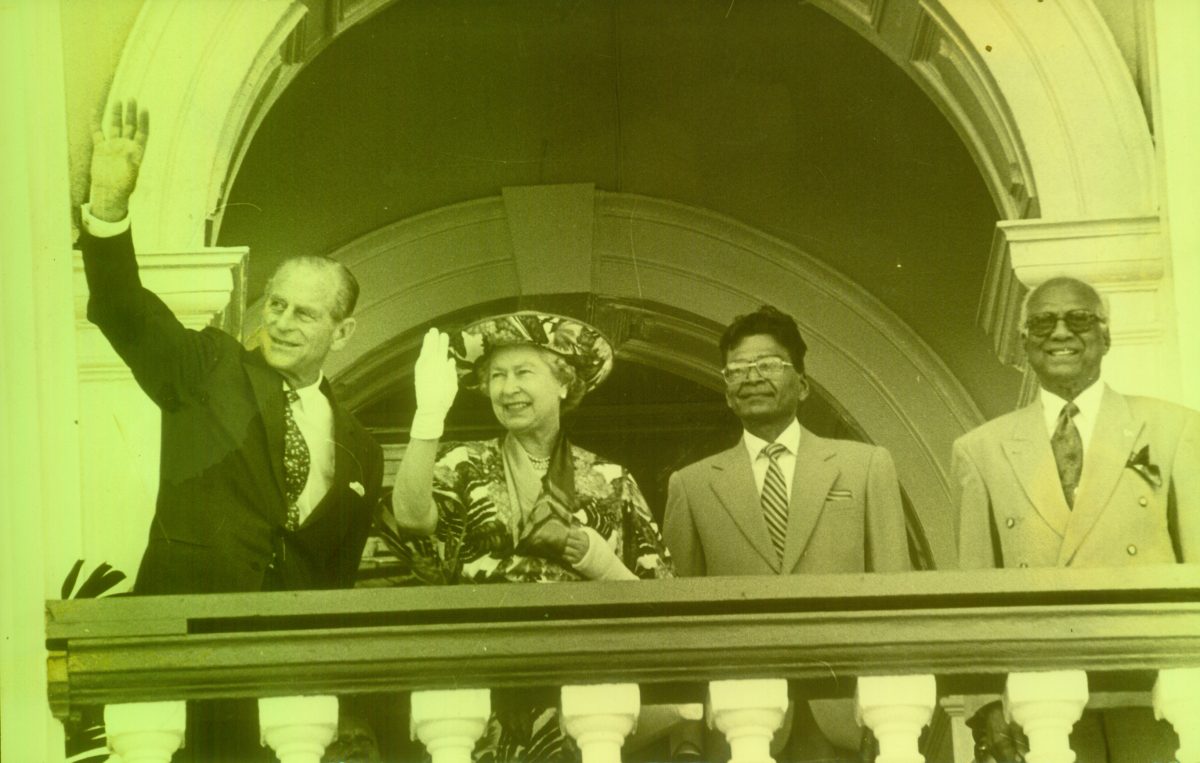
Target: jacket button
[[256, 566], [1010, 523], [1131, 549], [1143, 501]]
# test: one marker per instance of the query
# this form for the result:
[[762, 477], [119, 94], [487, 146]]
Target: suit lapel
[[732, 481], [815, 473], [268, 393], [1028, 451], [346, 466], [1112, 441]]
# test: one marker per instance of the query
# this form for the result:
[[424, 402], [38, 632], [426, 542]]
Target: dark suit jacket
[[220, 514], [1012, 512]]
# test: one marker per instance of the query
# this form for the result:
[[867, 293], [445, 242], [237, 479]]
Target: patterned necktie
[[1068, 451], [774, 498], [296, 460]]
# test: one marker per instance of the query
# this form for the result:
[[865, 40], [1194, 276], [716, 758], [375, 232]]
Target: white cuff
[[101, 228], [427, 426], [599, 562]]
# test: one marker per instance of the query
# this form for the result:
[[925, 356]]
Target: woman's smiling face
[[526, 396]]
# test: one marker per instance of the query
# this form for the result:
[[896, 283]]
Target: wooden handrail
[[670, 636]]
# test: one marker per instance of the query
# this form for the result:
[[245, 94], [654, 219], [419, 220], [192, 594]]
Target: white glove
[[436, 382], [599, 562]]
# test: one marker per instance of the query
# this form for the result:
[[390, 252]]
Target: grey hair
[[1097, 297], [346, 297]]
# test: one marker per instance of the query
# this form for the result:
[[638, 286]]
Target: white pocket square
[[358, 488]]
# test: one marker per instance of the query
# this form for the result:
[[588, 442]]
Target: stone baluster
[[747, 713], [1047, 705], [145, 732], [896, 708], [298, 729], [449, 722], [599, 718], [1177, 700]]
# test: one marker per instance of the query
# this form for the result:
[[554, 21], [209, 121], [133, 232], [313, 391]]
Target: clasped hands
[[552, 534]]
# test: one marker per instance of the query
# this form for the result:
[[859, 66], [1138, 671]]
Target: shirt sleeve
[[102, 228]]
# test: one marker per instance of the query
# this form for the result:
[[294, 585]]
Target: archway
[[704, 269], [1038, 94]]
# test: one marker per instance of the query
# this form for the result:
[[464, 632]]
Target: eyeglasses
[[769, 366], [1078, 321]]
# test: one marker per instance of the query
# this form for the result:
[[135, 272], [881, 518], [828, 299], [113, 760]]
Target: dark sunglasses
[[1078, 322]]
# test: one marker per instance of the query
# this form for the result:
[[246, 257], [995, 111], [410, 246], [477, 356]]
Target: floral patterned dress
[[477, 539]]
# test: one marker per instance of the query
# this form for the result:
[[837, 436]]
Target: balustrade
[[622, 651]]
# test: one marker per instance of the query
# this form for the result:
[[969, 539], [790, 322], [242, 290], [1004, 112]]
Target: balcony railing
[[885, 639]]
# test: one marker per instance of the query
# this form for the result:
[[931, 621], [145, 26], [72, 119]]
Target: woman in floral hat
[[526, 507]]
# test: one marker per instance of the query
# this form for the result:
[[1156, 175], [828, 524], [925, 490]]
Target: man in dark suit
[[783, 501], [266, 483], [232, 514], [1082, 477]]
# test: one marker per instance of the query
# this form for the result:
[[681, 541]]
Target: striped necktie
[[774, 498], [296, 460], [1068, 451]]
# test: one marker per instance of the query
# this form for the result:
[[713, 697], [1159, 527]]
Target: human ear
[[342, 334]]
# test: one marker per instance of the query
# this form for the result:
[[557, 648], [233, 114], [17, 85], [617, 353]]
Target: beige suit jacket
[[845, 514], [1012, 512]]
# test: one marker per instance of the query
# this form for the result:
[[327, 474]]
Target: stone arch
[[1038, 91], [696, 264]]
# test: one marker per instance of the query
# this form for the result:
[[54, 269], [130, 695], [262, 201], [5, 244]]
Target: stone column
[[298, 729], [896, 708], [748, 712], [145, 732], [1047, 705], [449, 723], [1177, 700], [599, 718]]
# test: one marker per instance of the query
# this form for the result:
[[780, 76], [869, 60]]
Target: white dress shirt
[[1088, 403], [314, 416], [759, 462]]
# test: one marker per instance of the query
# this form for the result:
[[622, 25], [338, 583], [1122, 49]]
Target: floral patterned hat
[[583, 346]]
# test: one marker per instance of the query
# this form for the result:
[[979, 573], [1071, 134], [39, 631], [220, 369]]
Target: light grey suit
[[845, 514], [1138, 502], [1012, 512]]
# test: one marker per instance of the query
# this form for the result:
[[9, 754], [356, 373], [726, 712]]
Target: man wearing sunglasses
[[1082, 477], [783, 501]]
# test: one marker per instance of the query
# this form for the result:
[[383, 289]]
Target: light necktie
[[774, 498], [296, 460], [1068, 451]]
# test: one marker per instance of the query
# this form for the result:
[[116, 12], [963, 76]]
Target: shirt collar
[[308, 392], [1087, 401], [789, 438]]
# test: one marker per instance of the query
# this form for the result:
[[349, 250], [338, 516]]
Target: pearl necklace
[[539, 464]]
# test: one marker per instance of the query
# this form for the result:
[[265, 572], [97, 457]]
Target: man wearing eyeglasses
[[1082, 477], [783, 501]]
